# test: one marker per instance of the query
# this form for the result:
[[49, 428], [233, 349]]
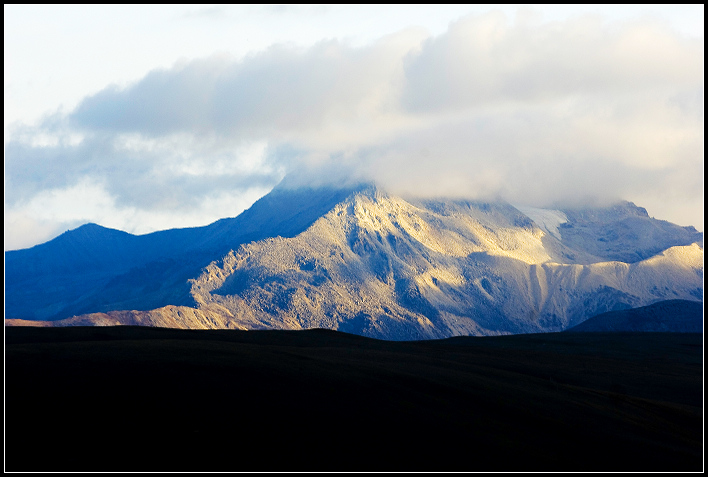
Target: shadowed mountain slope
[[671, 315], [623, 232], [93, 268]]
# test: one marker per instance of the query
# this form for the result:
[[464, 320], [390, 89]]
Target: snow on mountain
[[549, 220], [380, 266], [365, 262]]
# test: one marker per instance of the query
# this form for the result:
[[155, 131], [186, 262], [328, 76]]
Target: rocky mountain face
[[365, 262]]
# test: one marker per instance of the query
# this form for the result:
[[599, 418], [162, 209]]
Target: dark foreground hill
[[680, 316], [151, 399]]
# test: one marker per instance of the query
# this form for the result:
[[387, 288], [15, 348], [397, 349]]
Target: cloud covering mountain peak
[[581, 110]]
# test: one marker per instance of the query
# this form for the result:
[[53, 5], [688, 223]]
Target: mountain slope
[[670, 315], [379, 266], [623, 232], [95, 269]]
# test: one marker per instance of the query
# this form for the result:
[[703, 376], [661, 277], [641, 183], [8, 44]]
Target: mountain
[[363, 261], [671, 315], [93, 268]]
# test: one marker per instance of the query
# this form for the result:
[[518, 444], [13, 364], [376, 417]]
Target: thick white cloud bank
[[557, 113]]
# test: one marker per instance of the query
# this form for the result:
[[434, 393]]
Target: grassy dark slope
[[130, 398]]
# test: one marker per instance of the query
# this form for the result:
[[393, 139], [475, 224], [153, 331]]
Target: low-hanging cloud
[[544, 114]]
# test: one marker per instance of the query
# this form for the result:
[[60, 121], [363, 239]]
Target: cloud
[[281, 91], [484, 60], [543, 113]]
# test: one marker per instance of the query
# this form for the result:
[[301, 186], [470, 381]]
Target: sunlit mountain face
[[363, 261]]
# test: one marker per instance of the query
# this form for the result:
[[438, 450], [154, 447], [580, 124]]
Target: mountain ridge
[[363, 261], [150, 266], [669, 315]]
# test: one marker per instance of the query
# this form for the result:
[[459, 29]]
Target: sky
[[144, 118]]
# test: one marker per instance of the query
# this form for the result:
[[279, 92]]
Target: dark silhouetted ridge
[[681, 316]]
